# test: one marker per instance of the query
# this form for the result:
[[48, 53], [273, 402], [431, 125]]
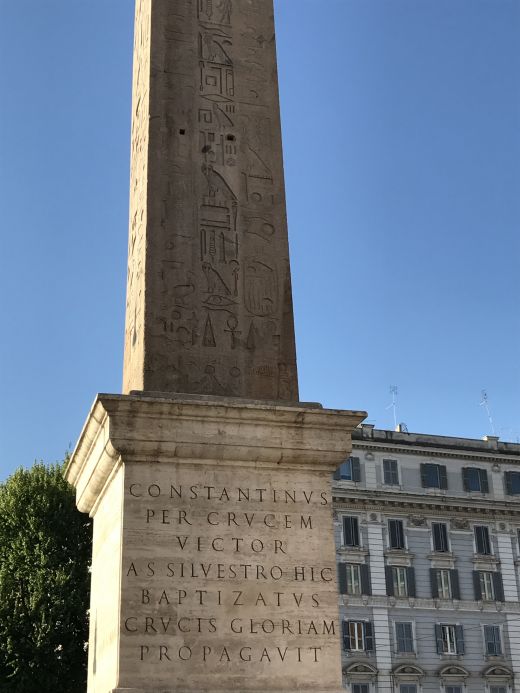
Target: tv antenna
[[394, 392], [484, 402]]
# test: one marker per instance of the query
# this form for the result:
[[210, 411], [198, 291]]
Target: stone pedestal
[[214, 562]]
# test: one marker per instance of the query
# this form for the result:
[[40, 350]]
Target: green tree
[[45, 548]]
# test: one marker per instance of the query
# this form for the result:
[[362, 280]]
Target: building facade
[[427, 534]]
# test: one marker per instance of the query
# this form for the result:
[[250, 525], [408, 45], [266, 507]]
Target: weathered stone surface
[[214, 560], [209, 305]]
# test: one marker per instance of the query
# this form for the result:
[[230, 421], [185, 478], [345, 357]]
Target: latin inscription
[[236, 576]]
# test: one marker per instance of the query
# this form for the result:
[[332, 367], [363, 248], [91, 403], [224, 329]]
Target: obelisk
[[209, 482], [209, 304]]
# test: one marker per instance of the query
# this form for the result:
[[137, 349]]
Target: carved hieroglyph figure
[[209, 305]]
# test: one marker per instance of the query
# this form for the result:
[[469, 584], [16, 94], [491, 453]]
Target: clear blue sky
[[402, 148]]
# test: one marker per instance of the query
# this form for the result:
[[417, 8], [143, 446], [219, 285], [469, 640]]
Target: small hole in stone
[[206, 149], [182, 131], [231, 138]]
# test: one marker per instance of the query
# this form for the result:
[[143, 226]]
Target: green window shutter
[[438, 639], [366, 587], [465, 478], [342, 578], [369, 636], [477, 586], [455, 584], [484, 483], [389, 576], [410, 579], [424, 475], [498, 585], [356, 469], [443, 477], [459, 635], [433, 583]]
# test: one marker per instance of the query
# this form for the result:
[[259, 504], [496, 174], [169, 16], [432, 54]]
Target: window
[[358, 636], [360, 688], [354, 579], [404, 637], [390, 473], [497, 689], [443, 584], [492, 640], [440, 537], [408, 688], [400, 581], [396, 534], [453, 689], [351, 531], [512, 480], [434, 476], [475, 480], [450, 639], [488, 586], [350, 470], [482, 541]]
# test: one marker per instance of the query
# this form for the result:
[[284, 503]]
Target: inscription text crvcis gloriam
[[223, 576]]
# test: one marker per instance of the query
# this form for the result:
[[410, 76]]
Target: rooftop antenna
[[393, 406], [484, 402]]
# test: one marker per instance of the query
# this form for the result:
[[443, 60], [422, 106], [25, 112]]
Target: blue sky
[[402, 151]]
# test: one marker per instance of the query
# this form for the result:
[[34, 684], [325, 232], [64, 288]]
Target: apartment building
[[427, 534]]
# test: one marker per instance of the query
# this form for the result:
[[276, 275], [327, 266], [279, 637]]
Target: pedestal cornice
[[225, 431]]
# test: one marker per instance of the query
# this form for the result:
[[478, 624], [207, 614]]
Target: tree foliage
[[45, 548]]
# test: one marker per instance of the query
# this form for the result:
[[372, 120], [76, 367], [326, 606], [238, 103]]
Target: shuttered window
[[450, 639], [404, 637], [351, 531], [482, 540], [358, 636], [408, 688], [434, 476], [440, 537], [396, 534], [453, 689], [475, 479], [350, 470], [390, 473], [360, 688], [512, 480], [493, 640]]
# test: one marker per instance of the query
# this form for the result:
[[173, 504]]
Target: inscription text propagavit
[[215, 573]]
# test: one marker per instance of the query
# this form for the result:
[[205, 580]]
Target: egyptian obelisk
[[209, 482], [209, 304]]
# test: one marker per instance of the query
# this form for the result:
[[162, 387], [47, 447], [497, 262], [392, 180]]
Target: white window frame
[[487, 595], [449, 639], [405, 537], [359, 625], [359, 531], [414, 640], [501, 633], [396, 569], [440, 586], [351, 570]]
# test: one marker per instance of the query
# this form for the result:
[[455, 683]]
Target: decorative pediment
[[408, 672], [498, 673], [360, 670], [453, 672]]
